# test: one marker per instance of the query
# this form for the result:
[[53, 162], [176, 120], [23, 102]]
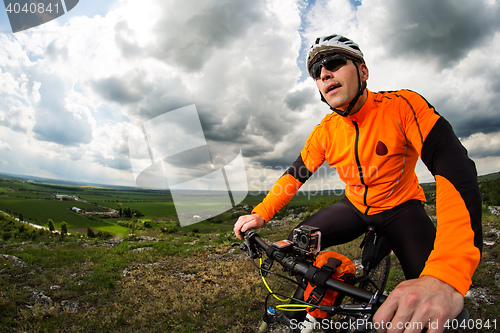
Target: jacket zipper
[[360, 168]]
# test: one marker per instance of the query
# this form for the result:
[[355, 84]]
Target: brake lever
[[246, 246], [242, 246]]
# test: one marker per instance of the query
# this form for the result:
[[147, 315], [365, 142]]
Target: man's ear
[[363, 72]]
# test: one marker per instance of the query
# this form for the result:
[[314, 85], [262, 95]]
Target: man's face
[[340, 85]]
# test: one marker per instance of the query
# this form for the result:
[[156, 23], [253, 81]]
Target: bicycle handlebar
[[305, 270]]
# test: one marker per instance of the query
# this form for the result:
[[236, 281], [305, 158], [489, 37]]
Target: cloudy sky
[[72, 90]]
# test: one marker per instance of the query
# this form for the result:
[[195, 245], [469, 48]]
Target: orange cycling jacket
[[375, 152]]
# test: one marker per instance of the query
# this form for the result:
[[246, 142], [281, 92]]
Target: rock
[[17, 261], [141, 249], [113, 242], [183, 275], [495, 210], [132, 268], [69, 306], [39, 297], [480, 297], [147, 239]]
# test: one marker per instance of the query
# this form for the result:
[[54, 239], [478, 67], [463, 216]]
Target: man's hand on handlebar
[[247, 222], [425, 300]]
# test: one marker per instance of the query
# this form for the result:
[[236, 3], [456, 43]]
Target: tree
[[490, 191], [120, 208], [52, 228], [64, 228], [127, 212], [90, 233]]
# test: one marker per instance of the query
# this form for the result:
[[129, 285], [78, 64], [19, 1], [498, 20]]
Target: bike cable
[[284, 307]]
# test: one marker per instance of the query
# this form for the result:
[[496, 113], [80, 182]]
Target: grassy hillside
[[154, 280], [491, 176], [187, 282]]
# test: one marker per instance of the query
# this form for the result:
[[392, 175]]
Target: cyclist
[[373, 140]]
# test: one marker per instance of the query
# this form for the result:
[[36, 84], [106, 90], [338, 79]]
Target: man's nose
[[325, 74]]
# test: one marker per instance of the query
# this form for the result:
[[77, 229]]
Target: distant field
[[114, 195], [35, 201], [89, 193], [158, 209], [39, 211]]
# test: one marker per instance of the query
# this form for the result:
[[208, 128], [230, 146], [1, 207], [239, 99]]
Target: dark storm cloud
[[189, 164], [60, 126], [473, 112], [280, 158], [163, 98], [251, 124], [232, 59], [236, 124], [124, 89], [190, 30], [484, 151], [439, 30], [478, 121], [298, 99]]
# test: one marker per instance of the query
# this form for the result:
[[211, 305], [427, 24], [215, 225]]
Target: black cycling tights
[[408, 229]]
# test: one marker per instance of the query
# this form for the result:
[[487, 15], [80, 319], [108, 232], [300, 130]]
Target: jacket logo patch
[[381, 149]]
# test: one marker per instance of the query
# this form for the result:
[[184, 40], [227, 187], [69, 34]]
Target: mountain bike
[[356, 303]]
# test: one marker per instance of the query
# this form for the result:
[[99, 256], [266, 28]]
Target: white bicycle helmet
[[326, 45]]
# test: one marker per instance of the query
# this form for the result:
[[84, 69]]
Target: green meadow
[[36, 202]]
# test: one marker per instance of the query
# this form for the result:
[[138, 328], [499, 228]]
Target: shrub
[[90, 233], [64, 228], [6, 235], [104, 235], [490, 191], [52, 228]]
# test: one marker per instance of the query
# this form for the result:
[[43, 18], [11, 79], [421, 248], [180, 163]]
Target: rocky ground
[[185, 283]]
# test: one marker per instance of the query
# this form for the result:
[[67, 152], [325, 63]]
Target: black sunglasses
[[331, 62]]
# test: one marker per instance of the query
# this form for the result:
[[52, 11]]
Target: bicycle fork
[[295, 326], [273, 316]]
